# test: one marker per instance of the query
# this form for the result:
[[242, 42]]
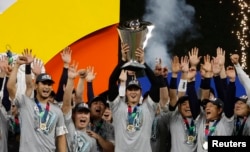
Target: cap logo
[[46, 77], [83, 105], [134, 82], [213, 99], [244, 97]]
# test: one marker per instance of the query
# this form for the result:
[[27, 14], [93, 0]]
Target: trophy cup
[[135, 34]]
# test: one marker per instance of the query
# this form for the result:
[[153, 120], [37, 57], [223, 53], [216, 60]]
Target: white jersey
[[35, 135], [134, 137]]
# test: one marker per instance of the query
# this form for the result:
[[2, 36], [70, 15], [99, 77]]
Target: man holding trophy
[[133, 117]]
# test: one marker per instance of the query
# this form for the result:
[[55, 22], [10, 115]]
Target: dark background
[[215, 25]]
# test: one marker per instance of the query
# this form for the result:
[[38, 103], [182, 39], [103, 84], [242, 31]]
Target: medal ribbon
[[210, 131], [96, 128], [131, 115], [240, 126], [41, 110], [154, 128], [190, 127]]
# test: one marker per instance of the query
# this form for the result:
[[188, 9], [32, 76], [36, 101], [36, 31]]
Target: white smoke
[[171, 19]]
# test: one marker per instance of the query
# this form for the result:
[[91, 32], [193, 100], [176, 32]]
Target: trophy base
[[133, 66]]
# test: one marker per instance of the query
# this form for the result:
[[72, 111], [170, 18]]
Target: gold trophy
[[135, 34]]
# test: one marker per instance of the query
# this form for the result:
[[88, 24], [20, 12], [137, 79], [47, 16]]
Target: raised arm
[[229, 100], [191, 92], [164, 91], [66, 58], [72, 73], [89, 78], [243, 77], [219, 73], [11, 85], [37, 67], [80, 85], [173, 83], [4, 95], [28, 77], [114, 77], [205, 85]]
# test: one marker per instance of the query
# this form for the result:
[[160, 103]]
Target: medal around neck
[[131, 128], [190, 140], [205, 145], [43, 126]]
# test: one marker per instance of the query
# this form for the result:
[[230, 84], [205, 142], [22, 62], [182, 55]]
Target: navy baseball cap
[[243, 98], [81, 107], [216, 101], [44, 77], [133, 83], [97, 99]]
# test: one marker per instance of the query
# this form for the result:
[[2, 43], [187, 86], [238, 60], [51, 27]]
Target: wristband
[[182, 85], [173, 83], [122, 90], [27, 69], [205, 84]]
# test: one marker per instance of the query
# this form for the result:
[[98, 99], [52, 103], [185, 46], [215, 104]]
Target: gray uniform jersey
[[223, 128], [160, 138], [245, 81], [105, 130], [246, 127], [33, 138], [138, 140], [78, 141], [3, 129], [179, 133]]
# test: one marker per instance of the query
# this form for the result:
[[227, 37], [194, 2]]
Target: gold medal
[[131, 128], [205, 145], [43, 126], [190, 139]]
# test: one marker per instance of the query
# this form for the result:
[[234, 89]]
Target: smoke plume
[[171, 19]]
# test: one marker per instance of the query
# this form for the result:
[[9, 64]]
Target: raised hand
[[158, 67], [234, 58], [123, 76], [176, 66], [4, 67], [165, 72], [124, 51], [220, 56], [207, 66], [82, 73], [90, 74], [139, 53], [72, 71], [193, 57], [184, 64], [28, 54], [66, 56], [21, 60], [37, 66], [216, 68]]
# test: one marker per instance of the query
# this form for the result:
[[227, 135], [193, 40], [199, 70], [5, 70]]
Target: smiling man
[[101, 130], [42, 124], [242, 105]]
